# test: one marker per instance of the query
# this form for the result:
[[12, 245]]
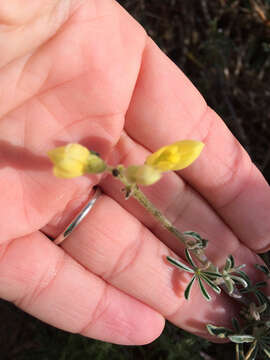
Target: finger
[[91, 57], [111, 243], [165, 108], [182, 205], [41, 279], [81, 96], [26, 25]]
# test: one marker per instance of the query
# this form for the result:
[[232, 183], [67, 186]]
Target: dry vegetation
[[223, 46]]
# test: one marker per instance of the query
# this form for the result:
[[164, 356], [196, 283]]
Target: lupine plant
[[251, 332]]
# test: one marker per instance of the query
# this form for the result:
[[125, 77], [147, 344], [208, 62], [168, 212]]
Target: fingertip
[[150, 328]]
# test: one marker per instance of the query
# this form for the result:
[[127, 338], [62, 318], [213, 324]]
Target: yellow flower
[[75, 160], [176, 156], [142, 174]]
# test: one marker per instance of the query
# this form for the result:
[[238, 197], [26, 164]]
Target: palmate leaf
[[229, 285], [236, 324], [229, 263], [260, 284], [188, 288], [200, 242], [266, 348], [239, 267], [239, 280], [219, 331], [193, 234], [265, 340], [210, 283], [212, 274], [264, 269], [243, 275], [240, 339], [189, 259], [262, 299], [179, 264], [203, 289], [266, 351]]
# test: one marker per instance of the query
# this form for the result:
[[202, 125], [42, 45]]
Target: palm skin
[[84, 71]]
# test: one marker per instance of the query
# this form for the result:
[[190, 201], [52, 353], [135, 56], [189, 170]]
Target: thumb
[[26, 24]]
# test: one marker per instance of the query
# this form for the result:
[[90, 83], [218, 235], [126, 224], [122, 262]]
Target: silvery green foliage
[[202, 276], [252, 337]]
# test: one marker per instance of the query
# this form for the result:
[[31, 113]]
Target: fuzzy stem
[[133, 190], [150, 207]]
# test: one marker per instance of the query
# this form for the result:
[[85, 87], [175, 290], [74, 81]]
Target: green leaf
[[229, 285], [218, 331], [211, 283], [203, 290], [200, 242], [232, 260], [240, 339], [239, 280], [179, 264], [244, 276], [239, 267], [265, 340], [236, 324], [260, 284], [264, 269], [262, 299], [229, 263], [189, 259], [266, 351], [193, 234], [188, 288], [212, 274]]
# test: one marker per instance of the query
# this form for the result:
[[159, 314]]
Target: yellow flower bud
[[142, 175], [75, 160], [95, 164], [176, 156]]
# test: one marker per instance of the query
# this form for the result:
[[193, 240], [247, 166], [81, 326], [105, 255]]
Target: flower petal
[[176, 156], [69, 161]]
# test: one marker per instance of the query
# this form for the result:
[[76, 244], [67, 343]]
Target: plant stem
[[133, 190], [251, 349], [150, 207]]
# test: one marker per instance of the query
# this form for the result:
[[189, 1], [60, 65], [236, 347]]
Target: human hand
[[85, 71]]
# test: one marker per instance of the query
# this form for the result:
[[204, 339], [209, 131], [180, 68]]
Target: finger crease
[[98, 311], [128, 256], [44, 283]]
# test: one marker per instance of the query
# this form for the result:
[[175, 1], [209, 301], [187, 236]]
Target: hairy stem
[[133, 190]]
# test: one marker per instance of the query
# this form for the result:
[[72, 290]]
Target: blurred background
[[223, 46]]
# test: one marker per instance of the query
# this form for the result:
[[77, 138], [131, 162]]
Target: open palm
[[84, 71]]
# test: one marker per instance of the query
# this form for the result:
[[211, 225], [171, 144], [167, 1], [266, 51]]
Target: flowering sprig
[[211, 275], [76, 160]]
